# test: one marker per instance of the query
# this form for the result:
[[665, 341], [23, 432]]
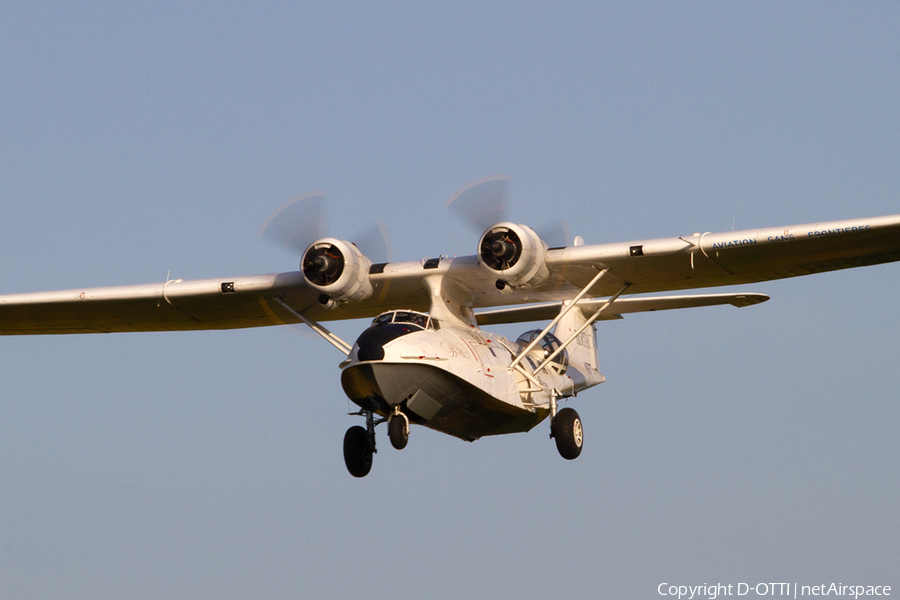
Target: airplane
[[425, 359]]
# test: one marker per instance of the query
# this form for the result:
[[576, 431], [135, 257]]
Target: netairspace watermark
[[792, 590]]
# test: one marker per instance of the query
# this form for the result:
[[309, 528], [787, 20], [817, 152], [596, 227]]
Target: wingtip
[[749, 300]]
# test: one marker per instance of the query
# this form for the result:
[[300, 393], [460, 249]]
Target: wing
[[175, 305], [739, 257], [667, 264]]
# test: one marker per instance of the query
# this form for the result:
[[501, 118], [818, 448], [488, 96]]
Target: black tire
[[568, 433], [357, 454], [398, 432]]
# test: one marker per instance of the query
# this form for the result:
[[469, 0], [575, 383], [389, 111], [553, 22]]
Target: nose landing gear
[[398, 429]]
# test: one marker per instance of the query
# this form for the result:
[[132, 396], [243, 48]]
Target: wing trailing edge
[[549, 310]]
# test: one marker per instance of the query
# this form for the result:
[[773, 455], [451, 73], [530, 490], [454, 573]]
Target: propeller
[[296, 223], [300, 221], [483, 202], [555, 234]]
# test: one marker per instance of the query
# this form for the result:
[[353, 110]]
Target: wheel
[[566, 430], [398, 431], [357, 454]]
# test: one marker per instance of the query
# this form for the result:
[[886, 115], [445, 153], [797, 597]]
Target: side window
[[548, 344]]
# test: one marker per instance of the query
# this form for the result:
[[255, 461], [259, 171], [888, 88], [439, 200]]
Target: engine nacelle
[[514, 254], [337, 270]]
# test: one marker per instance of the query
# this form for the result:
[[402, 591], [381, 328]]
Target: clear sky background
[[754, 445]]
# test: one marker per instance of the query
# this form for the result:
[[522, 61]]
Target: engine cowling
[[337, 270], [514, 254]]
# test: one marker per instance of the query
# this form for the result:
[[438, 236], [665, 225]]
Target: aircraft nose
[[370, 344], [370, 350]]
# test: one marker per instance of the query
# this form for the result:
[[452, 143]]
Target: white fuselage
[[455, 379]]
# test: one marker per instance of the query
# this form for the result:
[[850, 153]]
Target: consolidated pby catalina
[[425, 359]]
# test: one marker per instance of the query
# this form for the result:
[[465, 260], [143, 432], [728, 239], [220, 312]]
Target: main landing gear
[[359, 447], [566, 429], [359, 442]]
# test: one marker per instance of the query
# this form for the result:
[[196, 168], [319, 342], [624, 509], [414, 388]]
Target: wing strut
[[329, 337], [584, 326], [559, 317]]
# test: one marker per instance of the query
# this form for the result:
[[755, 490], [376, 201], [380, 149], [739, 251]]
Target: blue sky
[[726, 446]]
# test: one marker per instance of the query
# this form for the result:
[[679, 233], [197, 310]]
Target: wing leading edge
[[739, 257], [657, 265], [170, 306]]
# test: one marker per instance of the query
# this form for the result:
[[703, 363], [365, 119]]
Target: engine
[[337, 270], [514, 254]]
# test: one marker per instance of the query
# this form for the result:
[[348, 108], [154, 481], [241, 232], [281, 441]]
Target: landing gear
[[359, 442], [398, 429], [566, 430], [358, 451], [359, 446]]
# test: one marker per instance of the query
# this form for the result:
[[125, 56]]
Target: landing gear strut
[[359, 446], [567, 431]]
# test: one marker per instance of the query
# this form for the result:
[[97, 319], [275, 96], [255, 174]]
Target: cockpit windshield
[[423, 320]]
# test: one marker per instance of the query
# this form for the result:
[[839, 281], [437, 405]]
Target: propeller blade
[[482, 202], [300, 221], [555, 234], [297, 223], [375, 243]]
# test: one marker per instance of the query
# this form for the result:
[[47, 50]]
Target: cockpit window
[[403, 316], [383, 319], [406, 316]]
